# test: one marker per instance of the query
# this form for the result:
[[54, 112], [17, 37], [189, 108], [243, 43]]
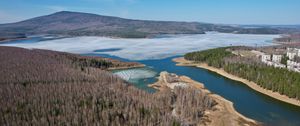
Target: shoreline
[[182, 62], [7, 40], [224, 112]]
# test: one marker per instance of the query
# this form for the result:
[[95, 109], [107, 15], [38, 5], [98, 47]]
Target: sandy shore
[[222, 114], [182, 62]]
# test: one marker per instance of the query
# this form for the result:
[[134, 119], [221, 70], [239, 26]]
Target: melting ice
[[154, 48]]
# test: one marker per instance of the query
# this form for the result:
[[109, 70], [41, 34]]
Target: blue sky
[[212, 11]]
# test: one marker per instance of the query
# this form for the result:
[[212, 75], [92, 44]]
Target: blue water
[[246, 101]]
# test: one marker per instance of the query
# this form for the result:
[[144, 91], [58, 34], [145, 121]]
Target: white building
[[291, 55], [294, 66], [265, 58], [293, 63], [276, 58], [269, 63], [278, 65], [292, 52]]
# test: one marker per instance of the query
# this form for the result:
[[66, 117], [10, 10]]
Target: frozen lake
[[148, 48]]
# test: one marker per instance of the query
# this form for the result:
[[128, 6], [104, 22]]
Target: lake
[[157, 54]]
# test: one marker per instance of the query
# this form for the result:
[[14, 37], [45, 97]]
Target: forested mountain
[[79, 24], [40, 87], [276, 79]]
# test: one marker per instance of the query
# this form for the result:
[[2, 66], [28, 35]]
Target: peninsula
[[227, 64], [221, 112]]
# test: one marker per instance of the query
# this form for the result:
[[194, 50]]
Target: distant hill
[[85, 24]]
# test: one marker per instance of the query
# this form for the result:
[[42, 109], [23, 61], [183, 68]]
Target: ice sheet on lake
[[135, 74], [155, 48]]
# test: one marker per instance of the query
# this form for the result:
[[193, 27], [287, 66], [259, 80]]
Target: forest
[[276, 79], [41, 87], [213, 57]]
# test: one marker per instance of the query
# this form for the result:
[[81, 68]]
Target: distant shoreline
[[4, 40], [182, 62]]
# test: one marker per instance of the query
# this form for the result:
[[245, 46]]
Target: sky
[[274, 12]]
